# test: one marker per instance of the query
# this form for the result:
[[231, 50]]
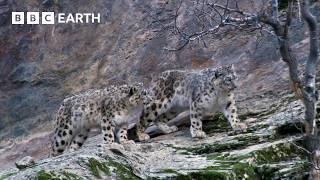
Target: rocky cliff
[[268, 150], [41, 64]]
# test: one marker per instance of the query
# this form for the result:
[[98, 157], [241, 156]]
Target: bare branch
[[229, 9], [196, 36], [225, 10], [175, 21]]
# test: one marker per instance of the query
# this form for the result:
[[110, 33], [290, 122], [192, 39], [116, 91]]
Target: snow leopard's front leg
[[140, 128], [196, 114], [122, 135], [79, 139], [230, 112], [107, 128], [151, 113]]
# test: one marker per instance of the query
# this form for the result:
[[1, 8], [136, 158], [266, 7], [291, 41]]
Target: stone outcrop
[[270, 148], [40, 65]]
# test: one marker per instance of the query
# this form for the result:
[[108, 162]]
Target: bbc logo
[[32, 17], [49, 18]]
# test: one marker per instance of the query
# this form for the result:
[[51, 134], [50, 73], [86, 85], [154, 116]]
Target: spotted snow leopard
[[108, 108], [202, 92]]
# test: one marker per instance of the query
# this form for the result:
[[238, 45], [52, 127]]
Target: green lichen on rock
[[169, 171], [253, 139], [125, 172], [44, 175], [205, 174], [71, 176], [248, 115], [236, 143], [272, 109], [244, 171], [277, 153], [96, 167], [216, 123], [266, 163], [5, 176], [211, 148], [223, 170], [233, 169], [266, 171]]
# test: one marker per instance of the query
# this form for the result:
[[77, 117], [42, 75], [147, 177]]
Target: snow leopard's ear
[[215, 79], [230, 68], [132, 90], [217, 74], [135, 88]]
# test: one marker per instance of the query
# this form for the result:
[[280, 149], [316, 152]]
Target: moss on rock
[[125, 172], [225, 170], [277, 153], [96, 167], [5, 176], [216, 123], [65, 175], [248, 115], [205, 174], [265, 163], [71, 176], [43, 175], [236, 143]]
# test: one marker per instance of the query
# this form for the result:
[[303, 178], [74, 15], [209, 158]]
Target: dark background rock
[[41, 64]]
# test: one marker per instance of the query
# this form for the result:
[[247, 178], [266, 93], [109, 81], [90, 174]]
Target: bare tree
[[213, 17], [305, 88]]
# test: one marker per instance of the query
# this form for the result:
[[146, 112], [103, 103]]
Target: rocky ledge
[[270, 148]]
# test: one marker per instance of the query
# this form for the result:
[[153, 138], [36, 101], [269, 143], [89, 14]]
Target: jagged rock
[[129, 45], [259, 152], [25, 162]]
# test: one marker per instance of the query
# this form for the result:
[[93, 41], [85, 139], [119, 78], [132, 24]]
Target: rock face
[[40, 65], [266, 150]]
